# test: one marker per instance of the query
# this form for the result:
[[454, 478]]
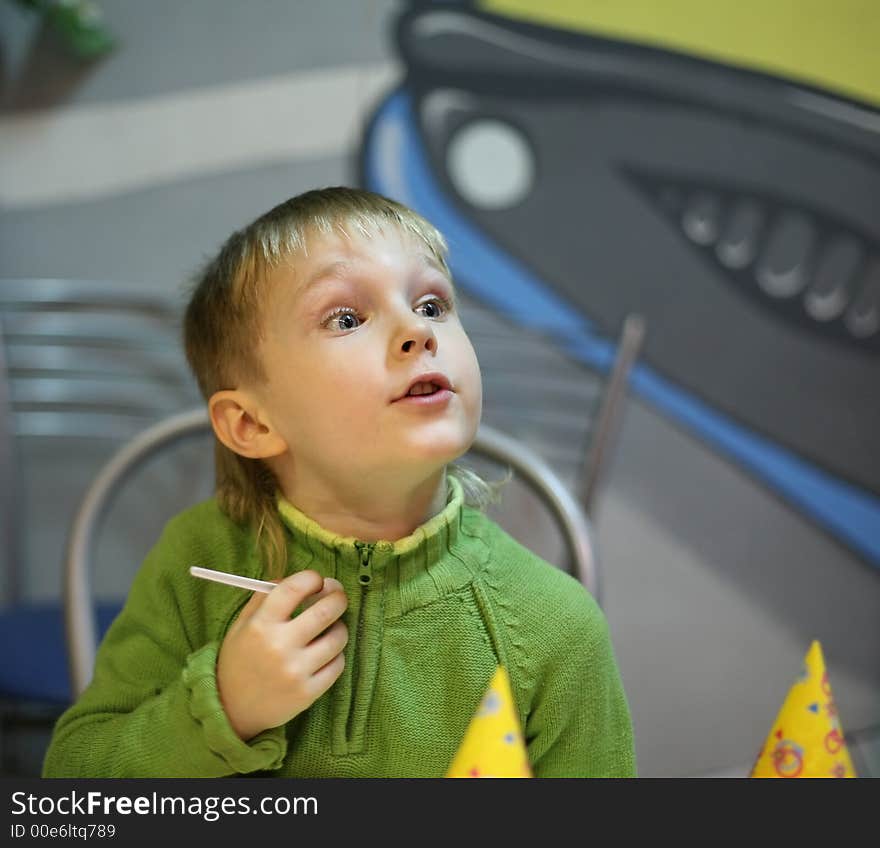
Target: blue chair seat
[[33, 664]]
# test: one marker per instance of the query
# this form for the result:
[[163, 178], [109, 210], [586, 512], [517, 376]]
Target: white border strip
[[82, 153]]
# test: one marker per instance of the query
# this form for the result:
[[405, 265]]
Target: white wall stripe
[[84, 153]]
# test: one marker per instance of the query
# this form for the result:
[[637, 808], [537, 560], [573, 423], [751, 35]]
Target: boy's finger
[[325, 677], [331, 584], [331, 642], [289, 594], [254, 603], [318, 617]]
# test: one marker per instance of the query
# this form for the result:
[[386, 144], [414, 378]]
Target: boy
[[341, 386]]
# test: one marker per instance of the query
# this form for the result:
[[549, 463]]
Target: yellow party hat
[[806, 740], [493, 745]]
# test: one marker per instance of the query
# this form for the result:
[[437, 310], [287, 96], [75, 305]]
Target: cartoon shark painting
[[584, 173]]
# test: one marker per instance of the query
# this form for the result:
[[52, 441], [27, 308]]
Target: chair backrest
[[85, 364], [87, 358], [606, 427], [9, 495], [533, 389], [80, 627]]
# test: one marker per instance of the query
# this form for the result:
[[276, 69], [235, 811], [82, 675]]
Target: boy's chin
[[438, 447], [427, 460]]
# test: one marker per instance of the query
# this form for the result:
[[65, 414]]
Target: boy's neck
[[372, 512]]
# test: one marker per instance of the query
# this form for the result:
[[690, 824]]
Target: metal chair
[[81, 353], [84, 365], [82, 630], [609, 418]]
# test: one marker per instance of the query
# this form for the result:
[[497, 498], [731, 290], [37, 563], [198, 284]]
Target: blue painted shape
[[814, 708], [395, 165]]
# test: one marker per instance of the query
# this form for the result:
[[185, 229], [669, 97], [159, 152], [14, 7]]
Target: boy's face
[[347, 334]]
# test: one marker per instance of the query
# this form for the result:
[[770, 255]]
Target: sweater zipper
[[365, 577]]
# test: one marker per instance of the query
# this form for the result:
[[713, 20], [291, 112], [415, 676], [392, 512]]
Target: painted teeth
[[423, 389]]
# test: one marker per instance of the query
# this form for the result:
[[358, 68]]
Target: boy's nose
[[417, 335], [409, 345]]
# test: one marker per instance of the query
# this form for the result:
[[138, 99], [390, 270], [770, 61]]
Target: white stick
[[232, 579]]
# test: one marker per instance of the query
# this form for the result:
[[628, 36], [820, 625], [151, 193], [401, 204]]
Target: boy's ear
[[239, 423]]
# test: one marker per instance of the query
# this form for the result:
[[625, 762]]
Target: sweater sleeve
[[579, 724], [152, 708]]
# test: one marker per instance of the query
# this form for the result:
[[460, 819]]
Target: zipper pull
[[365, 552]]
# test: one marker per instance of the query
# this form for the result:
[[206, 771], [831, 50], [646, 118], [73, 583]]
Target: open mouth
[[427, 387], [424, 389]]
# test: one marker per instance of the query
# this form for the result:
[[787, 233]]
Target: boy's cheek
[[473, 404], [477, 380]]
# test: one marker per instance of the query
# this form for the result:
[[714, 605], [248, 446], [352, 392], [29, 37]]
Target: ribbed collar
[[412, 571]]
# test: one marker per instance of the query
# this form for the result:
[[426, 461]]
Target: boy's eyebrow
[[431, 262]]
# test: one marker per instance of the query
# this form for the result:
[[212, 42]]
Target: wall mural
[[581, 176]]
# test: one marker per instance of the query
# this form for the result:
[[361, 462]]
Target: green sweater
[[441, 609]]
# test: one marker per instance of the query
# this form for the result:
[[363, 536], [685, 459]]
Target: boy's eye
[[435, 308], [342, 320]]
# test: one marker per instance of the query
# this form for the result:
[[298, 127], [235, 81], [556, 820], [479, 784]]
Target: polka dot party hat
[[493, 745], [806, 740]]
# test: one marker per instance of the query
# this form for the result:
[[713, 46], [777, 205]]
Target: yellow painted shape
[[831, 45], [806, 742]]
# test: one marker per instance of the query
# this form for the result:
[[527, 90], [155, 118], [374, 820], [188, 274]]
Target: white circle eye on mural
[[491, 164]]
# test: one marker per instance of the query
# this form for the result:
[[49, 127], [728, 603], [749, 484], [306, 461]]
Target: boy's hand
[[271, 667]]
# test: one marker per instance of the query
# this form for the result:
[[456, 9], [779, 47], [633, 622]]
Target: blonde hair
[[224, 319]]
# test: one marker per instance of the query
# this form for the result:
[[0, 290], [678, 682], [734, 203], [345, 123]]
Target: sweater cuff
[[265, 751]]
